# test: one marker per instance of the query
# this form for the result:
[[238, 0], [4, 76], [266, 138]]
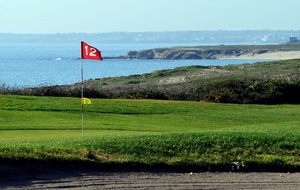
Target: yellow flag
[[86, 101]]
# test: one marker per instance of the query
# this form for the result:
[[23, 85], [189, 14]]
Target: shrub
[[251, 91], [258, 91]]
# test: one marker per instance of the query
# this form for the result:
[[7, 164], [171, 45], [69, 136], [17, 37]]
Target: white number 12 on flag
[[90, 51]]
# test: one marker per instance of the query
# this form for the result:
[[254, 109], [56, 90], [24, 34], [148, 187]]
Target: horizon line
[[243, 30]]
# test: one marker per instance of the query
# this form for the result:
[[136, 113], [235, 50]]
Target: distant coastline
[[282, 52], [213, 37]]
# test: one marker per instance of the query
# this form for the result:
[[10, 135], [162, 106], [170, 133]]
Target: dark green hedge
[[253, 91]]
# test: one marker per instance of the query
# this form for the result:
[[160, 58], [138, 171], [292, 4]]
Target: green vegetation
[[179, 134], [134, 130], [274, 82]]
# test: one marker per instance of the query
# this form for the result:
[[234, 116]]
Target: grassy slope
[[287, 69], [174, 133], [266, 82]]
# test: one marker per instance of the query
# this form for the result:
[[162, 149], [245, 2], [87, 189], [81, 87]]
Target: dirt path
[[145, 180]]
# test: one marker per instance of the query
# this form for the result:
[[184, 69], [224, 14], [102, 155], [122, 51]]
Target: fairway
[[148, 131]]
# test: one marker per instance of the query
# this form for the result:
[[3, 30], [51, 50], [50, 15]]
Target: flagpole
[[87, 52], [82, 104]]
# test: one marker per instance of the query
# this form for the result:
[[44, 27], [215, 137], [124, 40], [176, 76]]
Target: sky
[[103, 16]]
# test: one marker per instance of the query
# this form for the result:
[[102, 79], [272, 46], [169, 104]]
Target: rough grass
[[274, 82], [150, 133]]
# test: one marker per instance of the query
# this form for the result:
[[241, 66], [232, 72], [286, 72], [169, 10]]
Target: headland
[[276, 52]]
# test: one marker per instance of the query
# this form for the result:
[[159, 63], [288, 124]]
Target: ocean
[[32, 65]]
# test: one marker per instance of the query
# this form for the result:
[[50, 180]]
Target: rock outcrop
[[176, 53], [206, 52]]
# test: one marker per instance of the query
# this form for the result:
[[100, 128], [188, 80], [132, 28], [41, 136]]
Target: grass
[[150, 132], [274, 82], [283, 69]]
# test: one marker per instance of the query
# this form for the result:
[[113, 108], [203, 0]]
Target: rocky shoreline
[[217, 52]]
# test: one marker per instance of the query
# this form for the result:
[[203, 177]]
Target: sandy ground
[[273, 55], [146, 180]]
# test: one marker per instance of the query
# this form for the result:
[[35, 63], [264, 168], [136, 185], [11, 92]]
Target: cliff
[[209, 52]]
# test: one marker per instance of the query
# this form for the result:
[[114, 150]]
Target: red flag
[[89, 52]]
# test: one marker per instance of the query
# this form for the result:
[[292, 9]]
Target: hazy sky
[[63, 16]]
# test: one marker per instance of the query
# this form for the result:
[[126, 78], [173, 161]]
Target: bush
[[254, 91], [251, 91]]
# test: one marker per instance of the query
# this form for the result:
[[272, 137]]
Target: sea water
[[31, 65]]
